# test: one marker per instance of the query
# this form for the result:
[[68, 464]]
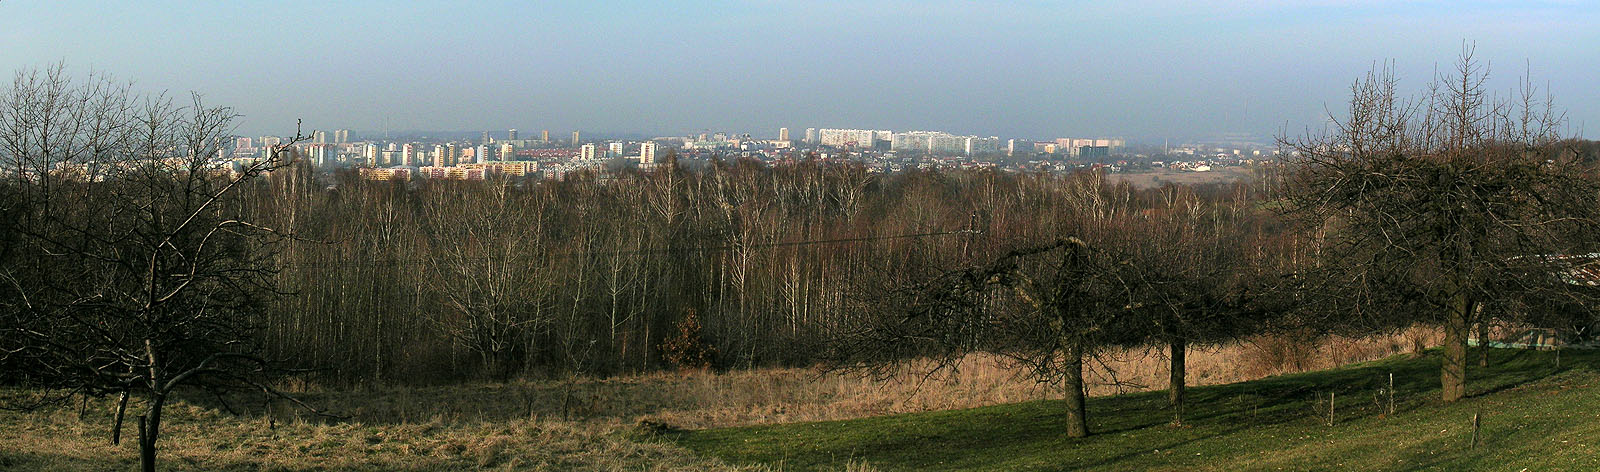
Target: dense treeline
[[435, 281], [1449, 209], [132, 263]]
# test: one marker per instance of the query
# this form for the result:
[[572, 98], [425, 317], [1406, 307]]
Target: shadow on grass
[[1127, 427]]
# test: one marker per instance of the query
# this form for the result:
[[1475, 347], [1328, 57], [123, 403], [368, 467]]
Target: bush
[[686, 349]]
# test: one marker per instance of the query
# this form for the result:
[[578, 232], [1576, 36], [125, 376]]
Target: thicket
[[436, 281]]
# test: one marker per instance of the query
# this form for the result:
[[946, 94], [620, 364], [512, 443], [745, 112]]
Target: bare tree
[[1051, 308], [135, 273], [1435, 205], [1194, 262], [484, 241]]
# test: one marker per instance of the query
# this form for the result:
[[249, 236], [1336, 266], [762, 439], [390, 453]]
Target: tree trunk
[[1454, 364], [1077, 414], [1175, 390], [1483, 339], [149, 430], [116, 424]]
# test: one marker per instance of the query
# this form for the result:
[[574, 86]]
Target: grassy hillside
[[593, 424], [1535, 415]]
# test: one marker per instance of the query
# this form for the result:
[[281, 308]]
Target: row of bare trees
[[1107, 266], [135, 265], [442, 281], [1452, 209]]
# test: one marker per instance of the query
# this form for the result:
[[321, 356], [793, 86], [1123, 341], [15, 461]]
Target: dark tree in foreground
[[1196, 265], [1437, 205], [131, 268], [1051, 308]]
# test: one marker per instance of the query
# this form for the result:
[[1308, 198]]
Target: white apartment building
[[852, 137], [647, 153]]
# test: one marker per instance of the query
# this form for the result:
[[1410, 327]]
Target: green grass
[[1535, 416]]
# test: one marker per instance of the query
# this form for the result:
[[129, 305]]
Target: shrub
[[686, 348]]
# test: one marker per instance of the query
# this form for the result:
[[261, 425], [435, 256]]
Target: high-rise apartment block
[[811, 135], [480, 154], [647, 152], [783, 134], [614, 150], [544, 135], [323, 154], [575, 140], [976, 145], [1075, 146], [508, 152], [341, 136], [511, 135], [585, 152], [860, 138], [319, 137], [936, 142]]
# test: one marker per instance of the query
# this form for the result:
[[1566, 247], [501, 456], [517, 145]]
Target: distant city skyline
[[1141, 70]]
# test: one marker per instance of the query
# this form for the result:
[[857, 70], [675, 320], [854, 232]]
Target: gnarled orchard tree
[[1435, 205], [1050, 307], [133, 271], [1196, 265]]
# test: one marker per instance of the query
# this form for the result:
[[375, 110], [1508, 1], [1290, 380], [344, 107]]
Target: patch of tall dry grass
[[1253, 358], [593, 424], [198, 438], [700, 399]]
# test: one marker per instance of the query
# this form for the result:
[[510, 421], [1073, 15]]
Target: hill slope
[[1534, 414]]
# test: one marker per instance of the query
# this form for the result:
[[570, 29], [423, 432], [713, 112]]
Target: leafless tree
[[1437, 204], [1050, 308], [134, 271], [483, 244], [1197, 271]]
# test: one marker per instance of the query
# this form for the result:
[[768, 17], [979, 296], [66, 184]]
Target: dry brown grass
[[593, 424], [1254, 358], [203, 439]]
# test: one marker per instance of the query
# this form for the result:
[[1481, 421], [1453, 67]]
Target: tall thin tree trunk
[[1453, 373], [1175, 390], [1077, 413]]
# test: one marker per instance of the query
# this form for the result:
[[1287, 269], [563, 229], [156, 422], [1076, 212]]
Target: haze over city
[[761, 235], [1147, 71]]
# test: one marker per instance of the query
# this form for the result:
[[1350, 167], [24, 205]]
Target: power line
[[641, 252]]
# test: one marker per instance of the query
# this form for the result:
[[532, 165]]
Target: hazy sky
[[1143, 70]]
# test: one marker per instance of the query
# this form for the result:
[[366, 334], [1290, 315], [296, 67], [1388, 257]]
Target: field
[[1535, 416], [667, 421]]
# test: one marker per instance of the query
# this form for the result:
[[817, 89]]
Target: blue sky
[[1031, 69]]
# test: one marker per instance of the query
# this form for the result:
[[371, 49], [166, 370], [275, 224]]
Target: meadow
[[1526, 411], [659, 421]]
